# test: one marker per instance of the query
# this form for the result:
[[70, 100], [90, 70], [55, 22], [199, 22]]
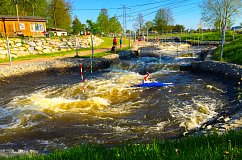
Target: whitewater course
[[49, 108]]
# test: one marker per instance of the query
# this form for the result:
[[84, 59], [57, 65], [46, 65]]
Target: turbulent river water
[[49, 110]]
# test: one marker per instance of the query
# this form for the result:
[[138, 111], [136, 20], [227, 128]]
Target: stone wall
[[26, 46], [61, 65], [226, 70]]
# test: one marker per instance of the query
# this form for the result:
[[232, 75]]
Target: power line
[[169, 5], [139, 5]]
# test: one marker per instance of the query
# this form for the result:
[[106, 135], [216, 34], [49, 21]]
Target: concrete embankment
[[231, 119], [59, 65], [226, 70]]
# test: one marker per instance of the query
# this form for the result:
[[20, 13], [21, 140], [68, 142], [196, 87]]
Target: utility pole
[[124, 19]]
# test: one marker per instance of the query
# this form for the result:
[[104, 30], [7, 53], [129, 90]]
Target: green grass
[[211, 147], [44, 55], [232, 52], [101, 54], [206, 36], [108, 42]]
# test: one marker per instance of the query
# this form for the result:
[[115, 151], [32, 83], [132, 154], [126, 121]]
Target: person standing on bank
[[114, 41], [114, 45], [121, 43]]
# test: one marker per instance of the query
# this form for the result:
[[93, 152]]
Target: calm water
[[49, 110]]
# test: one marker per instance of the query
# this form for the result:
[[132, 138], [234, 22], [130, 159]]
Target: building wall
[[27, 28], [1, 29]]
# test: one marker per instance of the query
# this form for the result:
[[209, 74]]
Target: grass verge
[[212, 147], [44, 55], [231, 53]]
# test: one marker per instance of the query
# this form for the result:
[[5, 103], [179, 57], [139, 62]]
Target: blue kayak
[[154, 84]]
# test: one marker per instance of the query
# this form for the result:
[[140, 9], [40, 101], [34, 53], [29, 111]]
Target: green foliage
[[7, 7], [207, 36], [163, 18], [213, 146], [92, 27], [103, 22], [219, 13], [232, 52], [77, 27], [177, 28], [25, 7], [115, 26], [148, 25], [59, 14]]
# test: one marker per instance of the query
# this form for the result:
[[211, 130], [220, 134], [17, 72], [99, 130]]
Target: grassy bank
[[232, 52], [211, 147], [206, 36], [106, 44]]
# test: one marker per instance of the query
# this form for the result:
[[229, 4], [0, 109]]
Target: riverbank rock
[[57, 65], [40, 45], [223, 69]]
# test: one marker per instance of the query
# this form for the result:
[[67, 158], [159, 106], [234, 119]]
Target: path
[[80, 53]]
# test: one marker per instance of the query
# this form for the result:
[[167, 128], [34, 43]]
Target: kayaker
[[146, 78]]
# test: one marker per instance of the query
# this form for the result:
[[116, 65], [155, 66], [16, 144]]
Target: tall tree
[[37, 7], [7, 7], [59, 14], [29, 7], [163, 18], [115, 25], [103, 22], [25, 7], [220, 11], [92, 27], [148, 25], [77, 27]]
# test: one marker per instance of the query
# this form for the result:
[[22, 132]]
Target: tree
[[36, 7], [220, 11], [92, 27], [59, 14], [148, 25], [25, 7], [115, 26], [163, 18], [103, 22], [178, 28], [77, 27], [7, 7]]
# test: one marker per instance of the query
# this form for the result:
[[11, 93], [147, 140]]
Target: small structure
[[57, 31], [22, 25], [236, 28]]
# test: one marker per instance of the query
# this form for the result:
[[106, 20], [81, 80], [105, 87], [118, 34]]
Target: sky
[[185, 12]]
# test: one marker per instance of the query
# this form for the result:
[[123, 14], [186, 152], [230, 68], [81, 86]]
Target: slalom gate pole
[[81, 73], [92, 52], [9, 53]]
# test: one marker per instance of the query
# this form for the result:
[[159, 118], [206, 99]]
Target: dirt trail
[[80, 53]]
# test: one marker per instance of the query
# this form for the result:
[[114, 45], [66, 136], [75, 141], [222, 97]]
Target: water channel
[[44, 111]]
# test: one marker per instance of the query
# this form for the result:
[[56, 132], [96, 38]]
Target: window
[[37, 27]]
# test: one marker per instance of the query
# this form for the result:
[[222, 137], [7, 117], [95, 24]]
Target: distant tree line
[[56, 12], [163, 23], [104, 25]]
